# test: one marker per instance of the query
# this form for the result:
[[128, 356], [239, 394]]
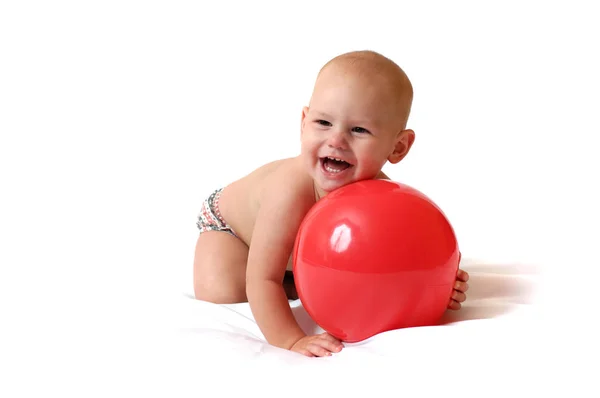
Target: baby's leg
[[220, 268]]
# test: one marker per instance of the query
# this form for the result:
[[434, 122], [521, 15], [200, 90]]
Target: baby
[[354, 124]]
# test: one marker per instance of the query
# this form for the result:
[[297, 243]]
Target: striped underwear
[[210, 219]]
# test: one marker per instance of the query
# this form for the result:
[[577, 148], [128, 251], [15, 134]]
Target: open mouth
[[334, 165]]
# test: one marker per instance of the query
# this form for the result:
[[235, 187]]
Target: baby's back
[[240, 201]]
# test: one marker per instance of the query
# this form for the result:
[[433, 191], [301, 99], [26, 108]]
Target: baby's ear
[[404, 142], [302, 118], [304, 113]]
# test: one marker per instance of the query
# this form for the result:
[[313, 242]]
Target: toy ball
[[374, 256]]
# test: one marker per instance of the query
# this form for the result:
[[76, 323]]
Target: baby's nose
[[337, 140]]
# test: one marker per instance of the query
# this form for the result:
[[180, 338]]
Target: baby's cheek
[[372, 165], [306, 148], [367, 172], [370, 168], [309, 145]]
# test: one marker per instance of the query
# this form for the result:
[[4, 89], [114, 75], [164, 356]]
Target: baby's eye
[[324, 123], [360, 130]]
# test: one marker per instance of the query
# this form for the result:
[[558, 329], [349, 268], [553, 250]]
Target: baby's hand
[[460, 287], [320, 345]]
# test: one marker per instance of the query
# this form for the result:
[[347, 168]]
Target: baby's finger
[[454, 305], [317, 349], [328, 336], [332, 339], [306, 352], [462, 275], [459, 296], [461, 286], [329, 345]]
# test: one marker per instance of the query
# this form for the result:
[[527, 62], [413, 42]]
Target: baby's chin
[[327, 186], [330, 186]]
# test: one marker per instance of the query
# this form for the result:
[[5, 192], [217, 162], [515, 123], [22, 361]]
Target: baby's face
[[348, 132]]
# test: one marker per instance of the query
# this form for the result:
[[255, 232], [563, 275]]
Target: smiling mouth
[[334, 165]]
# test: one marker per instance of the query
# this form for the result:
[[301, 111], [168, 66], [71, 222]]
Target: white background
[[117, 118]]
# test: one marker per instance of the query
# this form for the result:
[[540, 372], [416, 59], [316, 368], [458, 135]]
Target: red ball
[[373, 256]]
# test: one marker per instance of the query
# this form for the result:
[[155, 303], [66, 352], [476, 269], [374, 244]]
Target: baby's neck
[[319, 193]]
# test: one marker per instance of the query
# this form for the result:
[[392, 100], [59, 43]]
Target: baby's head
[[357, 114]]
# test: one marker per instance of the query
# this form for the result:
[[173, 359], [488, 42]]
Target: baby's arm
[[272, 242]]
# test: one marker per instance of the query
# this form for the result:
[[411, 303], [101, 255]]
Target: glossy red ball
[[375, 256]]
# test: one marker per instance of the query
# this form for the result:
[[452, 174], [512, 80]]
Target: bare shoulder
[[287, 195], [280, 184], [289, 186]]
